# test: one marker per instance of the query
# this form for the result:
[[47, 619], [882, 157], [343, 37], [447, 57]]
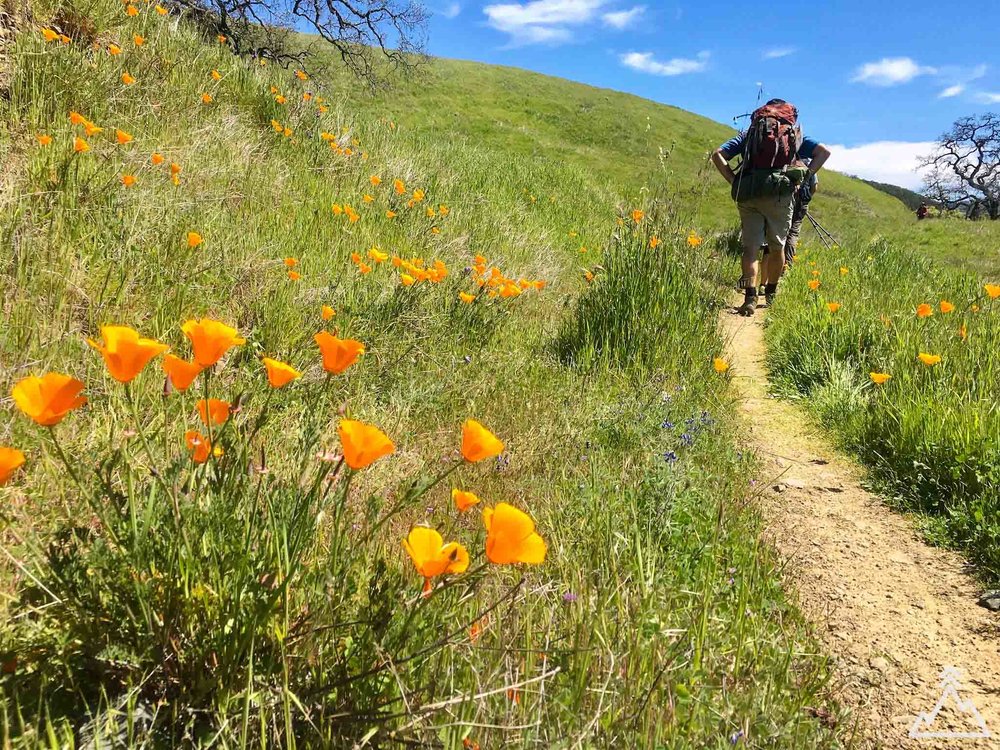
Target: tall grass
[[931, 432], [249, 601]]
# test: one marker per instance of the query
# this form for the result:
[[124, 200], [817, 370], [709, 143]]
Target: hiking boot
[[769, 298], [748, 307]]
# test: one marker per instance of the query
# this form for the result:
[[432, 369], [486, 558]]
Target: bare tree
[[964, 171], [371, 37]]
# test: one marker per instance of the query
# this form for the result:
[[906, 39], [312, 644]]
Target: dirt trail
[[892, 611]]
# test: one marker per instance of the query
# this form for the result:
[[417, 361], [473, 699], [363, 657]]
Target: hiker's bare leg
[[774, 266], [752, 232]]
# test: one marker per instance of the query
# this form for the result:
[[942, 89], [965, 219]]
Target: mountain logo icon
[[923, 727]]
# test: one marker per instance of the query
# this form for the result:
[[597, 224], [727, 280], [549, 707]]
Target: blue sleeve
[[733, 146], [808, 147]]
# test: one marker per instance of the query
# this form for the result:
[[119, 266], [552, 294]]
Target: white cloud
[[644, 62], [890, 71], [951, 91], [894, 162], [541, 21], [775, 52], [621, 19], [988, 97], [452, 10]]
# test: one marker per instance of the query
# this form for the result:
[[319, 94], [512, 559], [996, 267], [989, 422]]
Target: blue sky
[[881, 79]]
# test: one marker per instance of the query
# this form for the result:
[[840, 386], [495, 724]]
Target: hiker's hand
[[805, 193]]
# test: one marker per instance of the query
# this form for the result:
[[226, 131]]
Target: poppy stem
[[149, 456], [62, 457]]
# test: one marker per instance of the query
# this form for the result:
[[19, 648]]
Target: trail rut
[[892, 611]]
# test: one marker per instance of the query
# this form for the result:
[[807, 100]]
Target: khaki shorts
[[765, 221]]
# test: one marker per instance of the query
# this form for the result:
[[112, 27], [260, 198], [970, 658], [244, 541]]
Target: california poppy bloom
[[122, 137], [294, 275], [929, 359], [813, 284], [843, 271], [589, 276], [280, 99], [221, 38], [327, 312], [11, 459], [181, 372], [962, 333], [49, 35], [638, 215], [946, 306], [390, 214], [160, 9], [377, 255], [432, 557], [213, 411], [126, 353], [338, 354], [90, 129], [138, 40], [114, 49], [156, 159], [992, 290], [193, 239], [206, 98], [924, 310], [720, 365], [210, 339], [467, 298], [879, 378], [216, 75], [406, 280], [76, 118], [464, 500], [511, 536], [363, 444], [280, 374], [43, 139], [654, 242], [127, 79], [48, 399], [364, 268], [478, 442], [833, 306], [301, 75], [80, 145], [375, 180], [694, 239], [399, 187], [131, 11], [200, 447], [175, 168], [291, 262]]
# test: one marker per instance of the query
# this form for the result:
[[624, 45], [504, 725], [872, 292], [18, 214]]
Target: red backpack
[[774, 137]]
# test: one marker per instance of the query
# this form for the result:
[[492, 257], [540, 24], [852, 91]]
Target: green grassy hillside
[[156, 591]]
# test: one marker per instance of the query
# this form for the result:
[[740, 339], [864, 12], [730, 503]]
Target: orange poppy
[[138, 40], [90, 129], [50, 35], [221, 38], [213, 411], [131, 10], [638, 215], [375, 180], [122, 137], [946, 306], [280, 99], [833, 306], [80, 145], [363, 444], [399, 187], [156, 158], [48, 399], [181, 372], [210, 339], [200, 447], [127, 79], [291, 262], [216, 75], [125, 353], [377, 255], [992, 290], [175, 168], [280, 374], [301, 75], [294, 275], [43, 139], [924, 310], [511, 536], [843, 271], [364, 268], [929, 359], [962, 333], [694, 239], [406, 279], [478, 442], [11, 459], [431, 556], [194, 239], [160, 9], [879, 378], [206, 98], [654, 242], [327, 312], [467, 298], [720, 365], [464, 500], [390, 214], [114, 49], [813, 284], [338, 354], [76, 118]]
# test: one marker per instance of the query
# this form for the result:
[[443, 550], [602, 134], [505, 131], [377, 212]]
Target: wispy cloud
[[541, 21], [951, 91], [775, 52], [644, 62], [895, 162], [988, 97], [451, 11], [891, 71], [622, 19]]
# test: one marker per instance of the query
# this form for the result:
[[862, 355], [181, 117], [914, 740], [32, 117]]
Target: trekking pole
[[828, 239]]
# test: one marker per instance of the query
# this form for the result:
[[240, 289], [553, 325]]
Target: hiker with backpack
[[764, 185]]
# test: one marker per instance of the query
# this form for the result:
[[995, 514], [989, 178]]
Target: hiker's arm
[[820, 154], [722, 164]]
